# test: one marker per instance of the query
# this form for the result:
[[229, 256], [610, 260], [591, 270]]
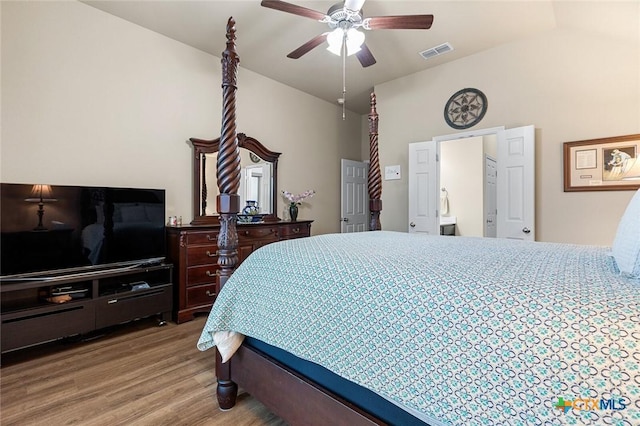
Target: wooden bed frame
[[287, 394]]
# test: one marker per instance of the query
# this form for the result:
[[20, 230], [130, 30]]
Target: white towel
[[444, 204]]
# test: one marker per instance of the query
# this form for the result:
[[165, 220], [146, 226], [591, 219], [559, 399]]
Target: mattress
[[456, 329]]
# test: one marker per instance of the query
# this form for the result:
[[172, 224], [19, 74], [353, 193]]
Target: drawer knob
[[208, 293], [296, 230], [214, 254]]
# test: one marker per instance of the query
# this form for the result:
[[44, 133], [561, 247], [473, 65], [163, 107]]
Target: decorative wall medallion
[[465, 108]]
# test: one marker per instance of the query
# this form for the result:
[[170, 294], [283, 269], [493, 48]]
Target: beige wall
[[571, 84], [90, 99]]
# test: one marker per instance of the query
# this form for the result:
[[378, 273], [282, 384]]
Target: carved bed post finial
[[374, 177], [228, 200]]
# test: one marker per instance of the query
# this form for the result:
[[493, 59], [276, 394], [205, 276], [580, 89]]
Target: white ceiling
[[266, 36]]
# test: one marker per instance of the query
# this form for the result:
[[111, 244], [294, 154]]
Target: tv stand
[[98, 299]]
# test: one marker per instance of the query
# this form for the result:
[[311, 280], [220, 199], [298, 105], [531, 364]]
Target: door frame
[[501, 136], [470, 134], [497, 131]]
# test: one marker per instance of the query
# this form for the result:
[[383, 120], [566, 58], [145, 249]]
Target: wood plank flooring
[[137, 374]]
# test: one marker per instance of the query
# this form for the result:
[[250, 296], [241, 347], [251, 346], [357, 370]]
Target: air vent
[[435, 51]]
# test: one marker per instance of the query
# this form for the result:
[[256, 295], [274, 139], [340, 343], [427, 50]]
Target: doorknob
[[413, 225], [344, 219], [526, 230]]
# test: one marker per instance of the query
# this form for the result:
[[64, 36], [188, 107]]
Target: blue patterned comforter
[[464, 331]]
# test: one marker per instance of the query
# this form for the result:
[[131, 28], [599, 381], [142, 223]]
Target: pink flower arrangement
[[297, 198]]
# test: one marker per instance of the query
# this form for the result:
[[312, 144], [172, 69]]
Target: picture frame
[[606, 164]]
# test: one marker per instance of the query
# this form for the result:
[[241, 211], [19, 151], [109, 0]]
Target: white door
[[354, 199], [423, 193], [255, 184], [516, 180], [490, 197]]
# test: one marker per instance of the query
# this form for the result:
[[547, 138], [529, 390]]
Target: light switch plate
[[392, 172]]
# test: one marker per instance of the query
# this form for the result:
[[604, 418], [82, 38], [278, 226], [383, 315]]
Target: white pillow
[[626, 245]]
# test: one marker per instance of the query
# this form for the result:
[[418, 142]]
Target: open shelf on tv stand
[[99, 298]]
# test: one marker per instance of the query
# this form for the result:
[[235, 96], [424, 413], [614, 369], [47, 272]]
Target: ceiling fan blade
[[305, 48], [354, 5], [292, 8], [365, 56], [403, 22]]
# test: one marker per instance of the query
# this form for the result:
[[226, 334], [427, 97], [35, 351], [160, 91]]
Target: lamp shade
[[41, 193]]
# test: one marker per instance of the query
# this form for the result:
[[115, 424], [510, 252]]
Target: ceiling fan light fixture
[[343, 16], [334, 39], [355, 39]]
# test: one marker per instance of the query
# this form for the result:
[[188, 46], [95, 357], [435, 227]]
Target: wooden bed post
[[228, 200], [374, 177]]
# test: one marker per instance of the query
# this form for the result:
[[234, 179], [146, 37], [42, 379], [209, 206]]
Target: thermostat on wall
[[392, 172]]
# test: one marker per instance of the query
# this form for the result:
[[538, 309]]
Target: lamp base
[[40, 212]]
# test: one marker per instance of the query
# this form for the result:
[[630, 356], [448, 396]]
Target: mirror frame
[[202, 147]]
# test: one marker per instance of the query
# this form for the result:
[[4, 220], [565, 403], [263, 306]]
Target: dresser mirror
[[258, 178]]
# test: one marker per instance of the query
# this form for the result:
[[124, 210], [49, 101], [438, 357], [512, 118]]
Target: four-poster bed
[[386, 327], [249, 363]]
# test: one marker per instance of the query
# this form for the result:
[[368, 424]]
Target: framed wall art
[[608, 164]]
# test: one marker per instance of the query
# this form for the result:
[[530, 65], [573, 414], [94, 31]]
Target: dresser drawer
[[258, 232], [202, 255], [204, 237], [204, 274], [293, 231], [201, 295], [193, 249]]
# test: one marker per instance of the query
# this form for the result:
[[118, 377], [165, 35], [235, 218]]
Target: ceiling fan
[[344, 20]]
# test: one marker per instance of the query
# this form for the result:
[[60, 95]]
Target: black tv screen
[[52, 227]]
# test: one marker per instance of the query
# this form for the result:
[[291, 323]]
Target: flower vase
[[293, 212]]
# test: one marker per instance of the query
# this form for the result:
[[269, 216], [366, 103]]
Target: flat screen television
[[47, 229]]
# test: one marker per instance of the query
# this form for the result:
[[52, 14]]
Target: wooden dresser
[[193, 252]]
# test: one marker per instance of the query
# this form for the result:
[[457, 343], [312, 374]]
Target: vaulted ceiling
[[266, 36]]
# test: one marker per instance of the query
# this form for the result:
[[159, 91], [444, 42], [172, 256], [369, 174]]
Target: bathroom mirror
[[258, 178]]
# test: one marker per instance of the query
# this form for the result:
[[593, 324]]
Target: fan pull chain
[[344, 75]]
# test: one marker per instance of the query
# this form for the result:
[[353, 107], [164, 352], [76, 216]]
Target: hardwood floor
[[137, 374]]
